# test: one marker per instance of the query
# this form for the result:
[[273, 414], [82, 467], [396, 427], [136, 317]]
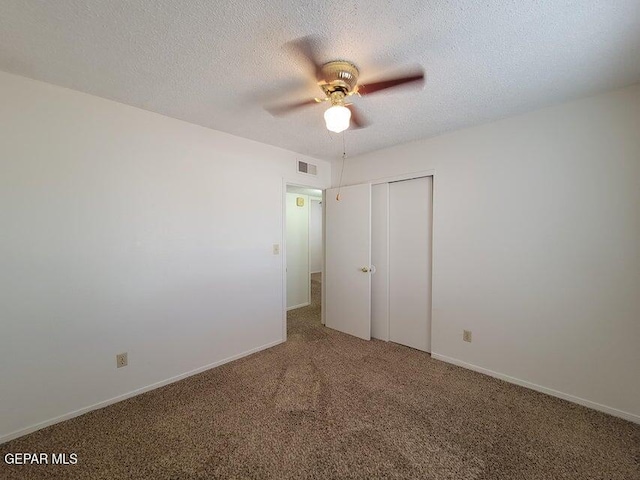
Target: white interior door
[[348, 253], [410, 223], [380, 258]]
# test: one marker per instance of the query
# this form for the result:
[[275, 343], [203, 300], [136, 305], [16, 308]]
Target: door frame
[[398, 178], [404, 176], [283, 251]]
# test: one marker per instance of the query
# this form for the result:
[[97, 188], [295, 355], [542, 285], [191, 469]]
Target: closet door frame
[[399, 178]]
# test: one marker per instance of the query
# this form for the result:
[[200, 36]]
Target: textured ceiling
[[216, 63]]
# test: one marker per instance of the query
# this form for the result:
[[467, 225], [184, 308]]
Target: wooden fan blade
[[305, 49], [279, 110], [416, 78], [357, 120]]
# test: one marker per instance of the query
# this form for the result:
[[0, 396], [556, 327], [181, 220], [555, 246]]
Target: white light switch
[[276, 249]]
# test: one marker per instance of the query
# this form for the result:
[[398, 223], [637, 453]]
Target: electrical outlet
[[466, 335], [121, 360]]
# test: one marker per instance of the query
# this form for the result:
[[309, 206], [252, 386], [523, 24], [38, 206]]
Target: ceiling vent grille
[[308, 168]]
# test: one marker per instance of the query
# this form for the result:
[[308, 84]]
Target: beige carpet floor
[[328, 406]]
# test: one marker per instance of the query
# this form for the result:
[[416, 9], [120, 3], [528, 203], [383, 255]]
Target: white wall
[[537, 246], [315, 234], [298, 280], [127, 231]]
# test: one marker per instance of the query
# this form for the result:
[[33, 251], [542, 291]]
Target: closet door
[[410, 221], [380, 258], [347, 277]]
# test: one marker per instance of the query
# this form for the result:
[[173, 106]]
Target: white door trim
[[283, 251], [397, 178]]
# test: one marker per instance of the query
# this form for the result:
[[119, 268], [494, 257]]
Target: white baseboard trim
[[299, 306], [76, 413], [549, 391]]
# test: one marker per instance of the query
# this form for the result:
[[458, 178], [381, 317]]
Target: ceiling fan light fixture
[[337, 118]]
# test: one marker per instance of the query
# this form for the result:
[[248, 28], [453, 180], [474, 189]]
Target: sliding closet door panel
[[410, 219], [379, 258], [347, 280]]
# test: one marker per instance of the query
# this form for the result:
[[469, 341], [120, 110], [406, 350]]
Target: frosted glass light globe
[[337, 118]]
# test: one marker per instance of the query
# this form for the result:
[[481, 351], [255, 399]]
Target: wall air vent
[[308, 168]]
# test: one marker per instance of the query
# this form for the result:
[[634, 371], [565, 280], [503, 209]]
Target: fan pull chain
[[344, 156]]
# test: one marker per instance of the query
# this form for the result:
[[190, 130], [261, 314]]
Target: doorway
[[304, 252]]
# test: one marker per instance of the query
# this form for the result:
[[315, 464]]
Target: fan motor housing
[[339, 75]]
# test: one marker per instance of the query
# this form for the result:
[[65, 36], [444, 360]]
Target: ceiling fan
[[338, 80]]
